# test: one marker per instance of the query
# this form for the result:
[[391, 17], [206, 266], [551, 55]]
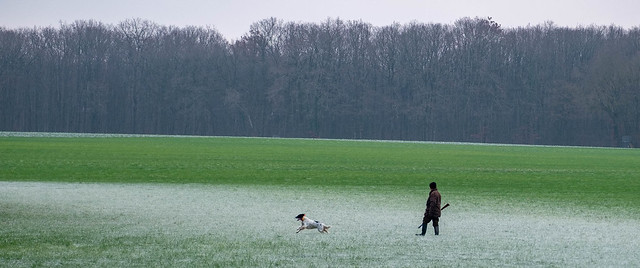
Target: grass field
[[196, 201]]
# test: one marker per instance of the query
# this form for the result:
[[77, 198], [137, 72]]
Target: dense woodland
[[472, 80]]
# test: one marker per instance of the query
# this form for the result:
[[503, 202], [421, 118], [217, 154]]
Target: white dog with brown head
[[311, 224]]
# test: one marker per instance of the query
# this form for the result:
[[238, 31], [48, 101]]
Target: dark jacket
[[433, 204]]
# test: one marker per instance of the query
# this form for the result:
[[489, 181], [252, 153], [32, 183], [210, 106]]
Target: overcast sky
[[232, 18]]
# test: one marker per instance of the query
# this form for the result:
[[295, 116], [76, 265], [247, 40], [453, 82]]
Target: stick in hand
[[445, 206]]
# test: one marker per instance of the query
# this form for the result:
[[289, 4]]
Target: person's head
[[432, 185]]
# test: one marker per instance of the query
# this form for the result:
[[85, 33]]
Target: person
[[432, 212]]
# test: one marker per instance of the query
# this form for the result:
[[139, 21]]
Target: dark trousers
[[426, 220]]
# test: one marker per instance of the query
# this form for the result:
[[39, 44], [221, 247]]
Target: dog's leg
[[322, 228]]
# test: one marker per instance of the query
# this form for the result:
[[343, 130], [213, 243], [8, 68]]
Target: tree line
[[470, 81]]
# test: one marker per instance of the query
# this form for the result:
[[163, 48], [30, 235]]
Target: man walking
[[432, 213]]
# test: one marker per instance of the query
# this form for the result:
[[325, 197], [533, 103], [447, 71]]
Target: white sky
[[232, 18]]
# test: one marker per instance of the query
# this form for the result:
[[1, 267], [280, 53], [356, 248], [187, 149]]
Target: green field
[[199, 201]]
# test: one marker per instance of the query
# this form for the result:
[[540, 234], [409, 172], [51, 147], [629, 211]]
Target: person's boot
[[437, 229], [424, 230]]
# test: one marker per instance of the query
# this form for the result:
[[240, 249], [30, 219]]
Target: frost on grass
[[49, 224]]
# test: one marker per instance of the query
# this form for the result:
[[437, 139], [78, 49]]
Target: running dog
[[311, 224]]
